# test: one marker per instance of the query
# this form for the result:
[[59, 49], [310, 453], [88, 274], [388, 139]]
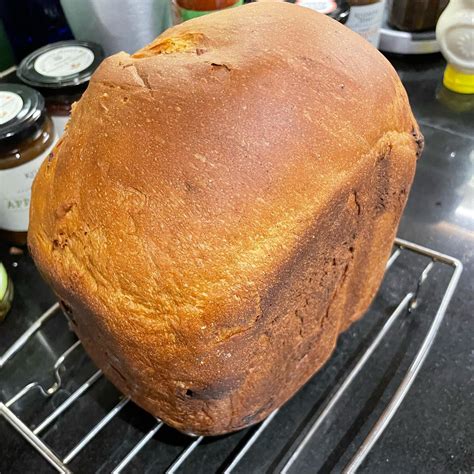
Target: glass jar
[[61, 72], [186, 9], [336, 9], [366, 18], [6, 292], [26, 138], [422, 15]]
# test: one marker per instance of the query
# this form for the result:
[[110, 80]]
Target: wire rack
[[409, 303]]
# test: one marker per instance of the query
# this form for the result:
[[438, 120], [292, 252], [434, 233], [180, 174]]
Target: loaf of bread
[[222, 206]]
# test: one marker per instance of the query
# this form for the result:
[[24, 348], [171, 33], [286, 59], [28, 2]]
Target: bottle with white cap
[[455, 35]]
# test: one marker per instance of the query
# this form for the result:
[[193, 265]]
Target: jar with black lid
[[335, 9], [26, 138], [366, 18], [61, 72]]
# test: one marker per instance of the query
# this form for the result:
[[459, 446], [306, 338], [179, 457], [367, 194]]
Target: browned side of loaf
[[222, 206]]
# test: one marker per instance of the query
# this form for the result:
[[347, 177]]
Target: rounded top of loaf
[[190, 170]]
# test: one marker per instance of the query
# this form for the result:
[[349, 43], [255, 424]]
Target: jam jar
[[61, 72], [336, 9], [366, 19], [26, 138]]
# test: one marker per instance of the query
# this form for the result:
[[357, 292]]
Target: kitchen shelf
[[404, 319]]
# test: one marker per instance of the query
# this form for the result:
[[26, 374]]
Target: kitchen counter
[[433, 431]]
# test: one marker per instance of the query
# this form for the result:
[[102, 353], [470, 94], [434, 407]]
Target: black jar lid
[[61, 64], [22, 113], [336, 9]]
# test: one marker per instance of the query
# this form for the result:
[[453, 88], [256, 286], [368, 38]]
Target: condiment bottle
[[186, 9], [365, 18], [61, 72], [455, 35], [26, 138]]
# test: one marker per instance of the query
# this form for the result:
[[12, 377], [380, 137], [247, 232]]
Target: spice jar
[[61, 72], [26, 138], [366, 18]]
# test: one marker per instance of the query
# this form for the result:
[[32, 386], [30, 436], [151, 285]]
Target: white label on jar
[[367, 20], [10, 105], [321, 6], [15, 192], [64, 61]]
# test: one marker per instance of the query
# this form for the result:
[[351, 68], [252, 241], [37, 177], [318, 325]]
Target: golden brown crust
[[221, 207]]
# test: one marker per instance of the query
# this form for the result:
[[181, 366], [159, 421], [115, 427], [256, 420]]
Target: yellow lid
[[458, 81]]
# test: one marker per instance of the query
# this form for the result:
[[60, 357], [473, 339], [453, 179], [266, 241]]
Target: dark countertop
[[433, 431]]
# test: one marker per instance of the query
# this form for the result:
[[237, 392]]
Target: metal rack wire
[[34, 436]]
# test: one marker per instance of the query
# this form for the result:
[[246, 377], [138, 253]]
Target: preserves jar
[[366, 18], [61, 72], [336, 9], [26, 138]]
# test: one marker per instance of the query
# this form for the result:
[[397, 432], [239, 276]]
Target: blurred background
[[54, 34], [26, 25]]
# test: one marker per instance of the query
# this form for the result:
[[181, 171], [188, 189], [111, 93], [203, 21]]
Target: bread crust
[[222, 206]]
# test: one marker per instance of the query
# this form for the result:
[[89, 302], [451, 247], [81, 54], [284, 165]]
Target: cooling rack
[[420, 272]]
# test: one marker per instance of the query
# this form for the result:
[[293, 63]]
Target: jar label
[[321, 6], [367, 20], [64, 61], [10, 105], [15, 192]]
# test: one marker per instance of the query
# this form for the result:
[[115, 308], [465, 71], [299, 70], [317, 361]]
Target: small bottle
[[186, 9], [365, 18], [26, 138], [6, 292], [455, 35]]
